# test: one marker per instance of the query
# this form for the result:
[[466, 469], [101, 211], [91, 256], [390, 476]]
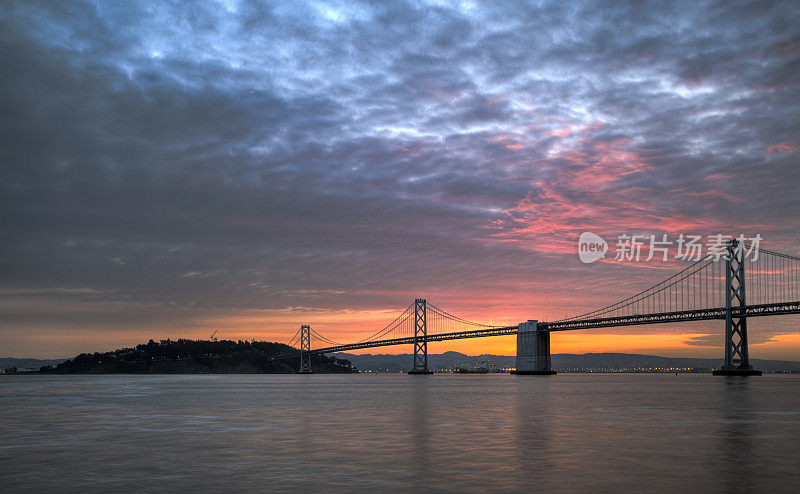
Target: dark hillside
[[185, 356]]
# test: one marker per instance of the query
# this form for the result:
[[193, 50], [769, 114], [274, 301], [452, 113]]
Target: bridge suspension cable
[[772, 277], [451, 317], [399, 322], [439, 321], [660, 297], [294, 339], [323, 338], [703, 290]]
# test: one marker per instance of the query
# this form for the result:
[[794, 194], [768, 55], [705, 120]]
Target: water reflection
[[738, 430], [398, 433], [533, 439], [420, 430]]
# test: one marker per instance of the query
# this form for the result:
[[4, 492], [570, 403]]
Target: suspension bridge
[[731, 286]]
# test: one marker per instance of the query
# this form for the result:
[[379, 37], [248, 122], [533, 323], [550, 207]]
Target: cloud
[[784, 147], [354, 155], [717, 340]]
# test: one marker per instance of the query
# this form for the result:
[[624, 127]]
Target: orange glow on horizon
[[348, 326]]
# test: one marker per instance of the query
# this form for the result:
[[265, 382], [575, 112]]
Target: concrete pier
[[533, 350], [736, 371]]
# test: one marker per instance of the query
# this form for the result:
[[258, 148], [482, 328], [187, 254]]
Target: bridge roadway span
[[605, 322]]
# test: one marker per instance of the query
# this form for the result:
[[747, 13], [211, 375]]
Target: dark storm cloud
[[243, 156]]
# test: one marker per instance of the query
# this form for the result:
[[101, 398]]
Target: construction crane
[[213, 335]]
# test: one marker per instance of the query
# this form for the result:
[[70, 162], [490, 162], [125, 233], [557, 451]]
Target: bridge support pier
[[737, 359], [420, 338], [305, 347], [533, 350]]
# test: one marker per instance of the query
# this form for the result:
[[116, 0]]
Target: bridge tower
[[533, 349], [420, 338], [305, 348], [737, 358]]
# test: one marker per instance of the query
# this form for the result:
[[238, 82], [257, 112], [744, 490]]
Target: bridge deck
[[606, 322]]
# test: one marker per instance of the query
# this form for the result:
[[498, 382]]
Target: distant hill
[[563, 362], [205, 357], [27, 363], [194, 357]]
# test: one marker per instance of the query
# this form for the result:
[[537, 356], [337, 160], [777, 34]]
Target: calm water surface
[[399, 433]]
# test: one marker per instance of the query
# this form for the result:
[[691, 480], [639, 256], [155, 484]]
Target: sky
[[168, 169]]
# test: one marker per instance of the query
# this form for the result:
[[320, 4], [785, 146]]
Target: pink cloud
[[576, 129], [591, 191], [715, 177], [508, 142], [783, 147], [606, 163], [562, 132]]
